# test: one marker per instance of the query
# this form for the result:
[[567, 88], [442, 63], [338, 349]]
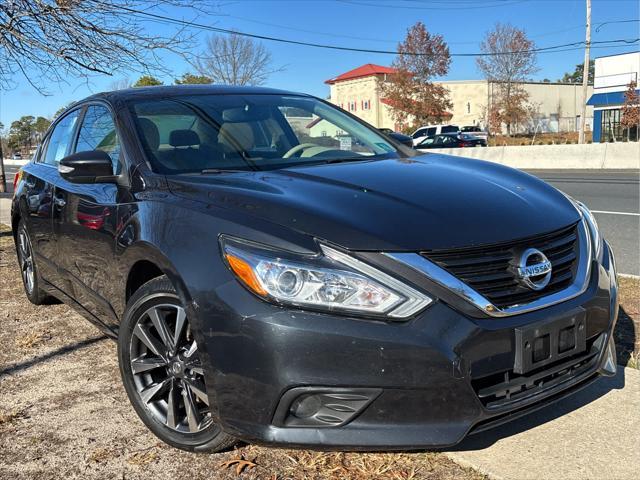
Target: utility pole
[[585, 75], [3, 177]]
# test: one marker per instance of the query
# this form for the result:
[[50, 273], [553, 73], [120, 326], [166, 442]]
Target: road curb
[[589, 434]]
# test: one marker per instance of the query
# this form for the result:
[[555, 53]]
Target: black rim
[[26, 261], [167, 371]]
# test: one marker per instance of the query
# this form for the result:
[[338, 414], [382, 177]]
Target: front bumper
[[424, 376]]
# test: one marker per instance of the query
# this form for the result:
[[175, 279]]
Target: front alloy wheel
[[167, 374], [162, 371]]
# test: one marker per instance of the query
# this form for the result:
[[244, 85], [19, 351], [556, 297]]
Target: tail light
[[465, 144], [16, 180]]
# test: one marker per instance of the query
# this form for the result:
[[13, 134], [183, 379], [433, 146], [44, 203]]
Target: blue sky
[[369, 24]]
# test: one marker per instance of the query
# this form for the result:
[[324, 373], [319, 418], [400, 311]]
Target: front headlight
[[594, 231], [333, 281]]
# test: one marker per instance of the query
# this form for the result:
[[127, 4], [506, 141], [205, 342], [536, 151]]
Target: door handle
[[60, 202]]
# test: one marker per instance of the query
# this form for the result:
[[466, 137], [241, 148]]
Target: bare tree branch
[[52, 40], [507, 71], [236, 60]]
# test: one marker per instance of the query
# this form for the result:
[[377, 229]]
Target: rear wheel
[[28, 269], [162, 371]]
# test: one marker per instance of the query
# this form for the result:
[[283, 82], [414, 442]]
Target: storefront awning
[[609, 98]]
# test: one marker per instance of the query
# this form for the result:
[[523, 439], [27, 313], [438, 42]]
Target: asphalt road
[[613, 196]]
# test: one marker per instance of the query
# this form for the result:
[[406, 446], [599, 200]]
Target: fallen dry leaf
[[240, 464]]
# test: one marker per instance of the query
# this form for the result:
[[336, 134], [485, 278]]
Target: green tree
[[191, 79], [62, 109], [40, 126], [147, 81], [576, 76], [21, 133]]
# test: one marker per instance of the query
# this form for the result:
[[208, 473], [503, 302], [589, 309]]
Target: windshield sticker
[[345, 143]]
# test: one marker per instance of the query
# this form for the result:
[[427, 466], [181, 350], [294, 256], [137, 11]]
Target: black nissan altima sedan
[[269, 281]]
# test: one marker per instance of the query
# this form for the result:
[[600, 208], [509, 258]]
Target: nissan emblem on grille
[[534, 269]]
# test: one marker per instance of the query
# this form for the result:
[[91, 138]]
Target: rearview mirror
[[93, 166]]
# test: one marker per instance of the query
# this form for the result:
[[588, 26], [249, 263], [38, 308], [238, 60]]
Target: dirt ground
[[64, 413]]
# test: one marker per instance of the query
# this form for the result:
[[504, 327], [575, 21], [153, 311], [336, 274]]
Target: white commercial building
[[556, 106], [613, 74]]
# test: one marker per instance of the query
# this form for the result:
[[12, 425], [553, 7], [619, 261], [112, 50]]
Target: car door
[[39, 178], [84, 219]]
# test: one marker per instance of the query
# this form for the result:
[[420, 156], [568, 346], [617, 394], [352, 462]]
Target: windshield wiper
[[216, 171], [349, 159]]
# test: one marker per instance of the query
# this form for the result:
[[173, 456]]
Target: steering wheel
[[298, 148]]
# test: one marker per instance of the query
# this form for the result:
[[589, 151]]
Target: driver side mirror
[[93, 166]]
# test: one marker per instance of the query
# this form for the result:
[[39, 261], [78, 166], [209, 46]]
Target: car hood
[[422, 203]]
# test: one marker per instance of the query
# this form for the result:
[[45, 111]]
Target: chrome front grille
[[489, 270]]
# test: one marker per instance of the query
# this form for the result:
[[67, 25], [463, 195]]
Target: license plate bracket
[[548, 341]]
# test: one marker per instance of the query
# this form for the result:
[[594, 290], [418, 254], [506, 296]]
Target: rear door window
[[430, 131], [60, 140], [449, 129]]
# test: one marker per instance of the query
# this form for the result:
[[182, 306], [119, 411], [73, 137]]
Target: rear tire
[[162, 373], [31, 279]]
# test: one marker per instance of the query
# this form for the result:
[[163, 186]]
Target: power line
[[380, 40], [600, 25], [439, 6], [187, 23]]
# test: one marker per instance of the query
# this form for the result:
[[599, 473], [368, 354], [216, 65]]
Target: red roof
[[363, 71]]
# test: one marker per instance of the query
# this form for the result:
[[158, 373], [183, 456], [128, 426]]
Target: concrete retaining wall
[[588, 156]]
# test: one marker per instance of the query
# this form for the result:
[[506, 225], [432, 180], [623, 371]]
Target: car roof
[[178, 90], [164, 91], [435, 126]]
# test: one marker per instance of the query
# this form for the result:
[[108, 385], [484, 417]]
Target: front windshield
[[200, 133]]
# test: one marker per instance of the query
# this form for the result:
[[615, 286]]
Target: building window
[[366, 105], [468, 107], [323, 133], [611, 130]]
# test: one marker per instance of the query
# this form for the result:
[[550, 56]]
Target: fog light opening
[[322, 407]]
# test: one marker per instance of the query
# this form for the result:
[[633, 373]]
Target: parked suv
[[431, 130], [265, 287]]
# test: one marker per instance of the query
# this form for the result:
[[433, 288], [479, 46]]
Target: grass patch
[[33, 339]]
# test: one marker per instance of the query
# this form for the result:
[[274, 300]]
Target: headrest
[[183, 138], [150, 133], [237, 135]]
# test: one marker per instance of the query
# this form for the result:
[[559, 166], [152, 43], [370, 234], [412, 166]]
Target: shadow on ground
[[17, 367]]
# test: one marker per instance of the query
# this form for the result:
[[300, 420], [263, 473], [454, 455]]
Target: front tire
[[162, 372]]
